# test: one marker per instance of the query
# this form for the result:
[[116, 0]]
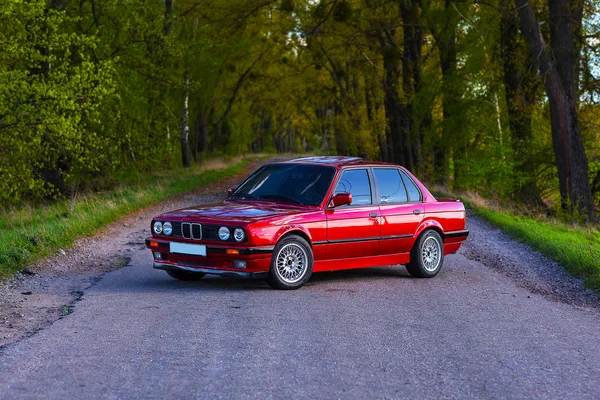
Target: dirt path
[[30, 302], [529, 269]]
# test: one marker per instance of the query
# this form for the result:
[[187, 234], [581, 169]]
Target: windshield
[[298, 184]]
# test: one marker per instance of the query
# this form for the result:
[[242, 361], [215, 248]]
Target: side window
[[413, 192], [391, 188], [355, 182]]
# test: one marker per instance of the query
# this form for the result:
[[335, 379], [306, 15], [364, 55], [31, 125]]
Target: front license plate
[[186, 248]]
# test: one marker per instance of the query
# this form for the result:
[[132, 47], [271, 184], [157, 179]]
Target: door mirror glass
[[341, 199]]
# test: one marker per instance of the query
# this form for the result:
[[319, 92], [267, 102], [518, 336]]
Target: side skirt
[[360, 262]]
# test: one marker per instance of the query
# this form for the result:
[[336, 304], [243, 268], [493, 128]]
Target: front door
[[353, 230]]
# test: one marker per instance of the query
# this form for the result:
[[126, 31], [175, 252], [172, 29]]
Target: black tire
[[290, 275], [426, 256], [185, 276]]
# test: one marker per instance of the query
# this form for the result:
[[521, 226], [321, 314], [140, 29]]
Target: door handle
[[416, 212], [373, 215]]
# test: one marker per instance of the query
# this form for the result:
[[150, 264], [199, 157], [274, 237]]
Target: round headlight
[[238, 234], [167, 228], [158, 227], [224, 233]]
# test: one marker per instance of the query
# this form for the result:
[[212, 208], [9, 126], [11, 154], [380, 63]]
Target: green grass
[[30, 233], [577, 249]]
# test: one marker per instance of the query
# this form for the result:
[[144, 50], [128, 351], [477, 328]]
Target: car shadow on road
[[320, 279], [363, 274], [324, 279], [161, 282], [164, 283]]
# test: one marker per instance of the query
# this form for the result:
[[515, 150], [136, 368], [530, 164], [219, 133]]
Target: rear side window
[[391, 188], [413, 192], [356, 182]]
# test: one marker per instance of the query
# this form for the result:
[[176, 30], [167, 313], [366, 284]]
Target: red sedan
[[290, 219]]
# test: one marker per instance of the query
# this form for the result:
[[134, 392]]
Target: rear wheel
[[186, 276], [291, 263], [426, 256]]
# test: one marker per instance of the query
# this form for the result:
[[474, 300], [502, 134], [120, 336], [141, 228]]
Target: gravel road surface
[[493, 324]]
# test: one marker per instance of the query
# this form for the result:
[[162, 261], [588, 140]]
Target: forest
[[498, 97]]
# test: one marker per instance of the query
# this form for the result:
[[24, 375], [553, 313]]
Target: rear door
[[401, 207], [353, 230]]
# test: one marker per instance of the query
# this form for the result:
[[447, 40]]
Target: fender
[[427, 224], [289, 229]]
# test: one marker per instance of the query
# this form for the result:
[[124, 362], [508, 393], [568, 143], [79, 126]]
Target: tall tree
[[520, 87], [559, 77], [444, 32], [392, 56], [410, 11]]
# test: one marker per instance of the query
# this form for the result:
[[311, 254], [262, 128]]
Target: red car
[[290, 219]]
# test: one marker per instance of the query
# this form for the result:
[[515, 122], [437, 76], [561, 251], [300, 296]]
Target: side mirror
[[231, 190], [341, 199]]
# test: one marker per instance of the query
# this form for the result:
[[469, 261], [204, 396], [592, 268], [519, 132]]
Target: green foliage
[[27, 234], [91, 89], [576, 248], [50, 91]]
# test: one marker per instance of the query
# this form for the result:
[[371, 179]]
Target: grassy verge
[[28, 234], [577, 249]]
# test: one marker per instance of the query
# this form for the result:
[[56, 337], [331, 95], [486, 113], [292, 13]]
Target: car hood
[[240, 212]]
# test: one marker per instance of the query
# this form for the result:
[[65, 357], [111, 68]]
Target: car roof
[[336, 161]]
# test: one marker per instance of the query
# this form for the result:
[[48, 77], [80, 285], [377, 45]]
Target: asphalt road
[[471, 332]]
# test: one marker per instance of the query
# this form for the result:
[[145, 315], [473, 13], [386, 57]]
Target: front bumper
[[217, 260], [213, 271]]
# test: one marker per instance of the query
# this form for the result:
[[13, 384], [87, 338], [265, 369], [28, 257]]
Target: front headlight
[[167, 228], [239, 234], [158, 227], [224, 233]]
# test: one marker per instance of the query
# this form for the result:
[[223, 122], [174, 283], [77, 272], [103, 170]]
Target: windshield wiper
[[247, 195], [279, 197]]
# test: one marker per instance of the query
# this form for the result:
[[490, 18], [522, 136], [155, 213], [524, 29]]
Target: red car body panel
[[341, 238]]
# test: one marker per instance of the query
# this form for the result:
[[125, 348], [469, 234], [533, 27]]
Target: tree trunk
[[596, 185], [289, 133], [411, 77], [167, 17], [278, 137], [445, 39], [57, 4], [371, 105], [213, 133], [185, 128], [393, 114], [559, 81], [201, 134], [577, 19], [267, 130], [520, 87]]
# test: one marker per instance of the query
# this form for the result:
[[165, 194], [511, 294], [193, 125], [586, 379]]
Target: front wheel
[[291, 263], [426, 256]]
